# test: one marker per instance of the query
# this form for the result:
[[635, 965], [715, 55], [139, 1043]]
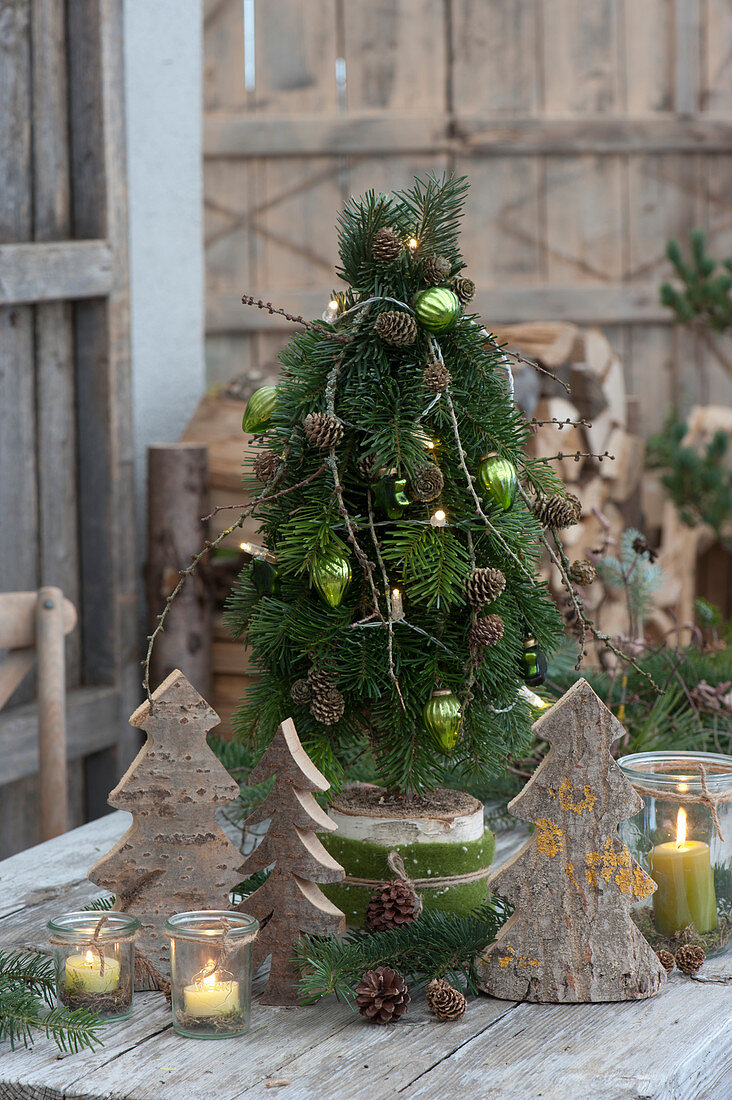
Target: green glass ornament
[[260, 407], [332, 576], [437, 309], [533, 664], [442, 718], [390, 496], [498, 479], [265, 576]]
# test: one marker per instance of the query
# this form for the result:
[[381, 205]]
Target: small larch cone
[[386, 245], [267, 466], [396, 328], [582, 572], [436, 377], [427, 483], [445, 1002], [558, 511], [666, 960], [436, 270], [322, 431], [301, 693], [483, 585], [690, 958], [328, 706], [486, 631], [382, 995], [464, 288], [392, 904]]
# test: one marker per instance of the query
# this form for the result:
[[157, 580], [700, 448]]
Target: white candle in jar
[[211, 997], [87, 972]]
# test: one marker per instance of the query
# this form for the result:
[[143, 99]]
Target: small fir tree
[[401, 546]]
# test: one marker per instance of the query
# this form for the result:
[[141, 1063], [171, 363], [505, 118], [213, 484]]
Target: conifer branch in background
[[27, 987]]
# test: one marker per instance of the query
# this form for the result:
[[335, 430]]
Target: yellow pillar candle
[[85, 972], [211, 997], [683, 873]]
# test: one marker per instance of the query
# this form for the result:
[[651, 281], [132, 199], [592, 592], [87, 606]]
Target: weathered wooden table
[[677, 1046]]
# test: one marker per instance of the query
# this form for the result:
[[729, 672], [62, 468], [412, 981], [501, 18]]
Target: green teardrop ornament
[[437, 309], [260, 407], [332, 576], [442, 718], [498, 480], [390, 496]]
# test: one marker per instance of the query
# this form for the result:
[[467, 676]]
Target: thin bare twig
[[250, 300], [273, 496], [387, 597], [581, 423], [576, 455]]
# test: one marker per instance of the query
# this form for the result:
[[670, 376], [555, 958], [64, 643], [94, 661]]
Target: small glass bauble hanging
[[390, 496], [260, 407], [265, 576], [437, 309], [533, 663], [332, 576], [442, 718], [498, 479]]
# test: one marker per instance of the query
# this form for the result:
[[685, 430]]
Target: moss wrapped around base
[[364, 859]]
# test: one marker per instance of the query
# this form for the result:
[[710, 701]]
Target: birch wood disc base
[[571, 937]]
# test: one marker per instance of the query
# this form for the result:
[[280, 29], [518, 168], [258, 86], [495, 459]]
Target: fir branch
[[27, 979]]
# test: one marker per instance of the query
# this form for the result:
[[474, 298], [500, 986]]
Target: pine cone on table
[[666, 960], [267, 466], [427, 483], [386, 245], [464, 288], [382, 995], [392, 904], [689, 958], [436, 270], [483, 585], [301, 693], [323, 431], [486, 631], [582, 572], [445, 1002], [558, 511], [436, 377], [396, 328]]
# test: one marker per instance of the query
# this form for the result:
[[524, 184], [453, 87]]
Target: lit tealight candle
[[211, 997], [439, 519], [86, 972], [683, 873]]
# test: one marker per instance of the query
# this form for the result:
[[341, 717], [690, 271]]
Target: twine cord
[[92, 943], [710, 799], [396, 864]]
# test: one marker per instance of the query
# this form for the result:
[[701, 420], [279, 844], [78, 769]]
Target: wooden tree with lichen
[[571, 936], [289, 902], [174, 857]]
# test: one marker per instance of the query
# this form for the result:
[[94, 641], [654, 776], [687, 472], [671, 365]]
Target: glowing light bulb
[[439, 519], [681, 827], [330, 312], [412, 243], [397, 607]]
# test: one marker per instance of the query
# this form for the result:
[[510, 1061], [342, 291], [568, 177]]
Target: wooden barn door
[[591, 132], [65, 426]]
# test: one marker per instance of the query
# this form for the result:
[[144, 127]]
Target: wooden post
[[51, 712], [177, 475]]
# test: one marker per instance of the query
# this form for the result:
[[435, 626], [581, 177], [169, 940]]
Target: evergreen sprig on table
[[27, 986]]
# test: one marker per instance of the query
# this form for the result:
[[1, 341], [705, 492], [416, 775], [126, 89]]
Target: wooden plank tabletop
[[677, 1046]]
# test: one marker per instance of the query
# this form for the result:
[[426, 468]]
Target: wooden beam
[[54, 271], [94, 721], [238, 134], [612, 304]]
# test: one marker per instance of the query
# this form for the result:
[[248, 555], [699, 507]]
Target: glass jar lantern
[[211, 972], [94, 954], [683, 839]]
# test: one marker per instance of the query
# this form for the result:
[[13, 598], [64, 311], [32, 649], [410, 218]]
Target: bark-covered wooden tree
[[289, 902], [571, 936], [174, 857]]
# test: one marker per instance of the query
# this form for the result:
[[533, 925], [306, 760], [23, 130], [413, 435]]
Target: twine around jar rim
[[91, 943], [708, 798]]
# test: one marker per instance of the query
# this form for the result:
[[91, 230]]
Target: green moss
[[364, 859]]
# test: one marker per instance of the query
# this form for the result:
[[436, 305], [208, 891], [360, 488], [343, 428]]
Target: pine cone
[[267, 466], [301, 693], [484, 585], [666, 960], [427, 483], [436, 270], [558, 511], [392, 904], [367, 467], [464, 288], [690, 958], [320, 679], [323, 431], [486, 631], [444, 1001], [436, 377], [582, 572], [328, 706], [396, 328], [386, 245], [382, 995]]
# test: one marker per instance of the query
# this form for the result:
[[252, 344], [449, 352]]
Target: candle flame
[[89, 958], [681, 827]]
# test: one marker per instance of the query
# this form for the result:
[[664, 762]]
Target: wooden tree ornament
[[289, 902], [174, 857], [571, 937]]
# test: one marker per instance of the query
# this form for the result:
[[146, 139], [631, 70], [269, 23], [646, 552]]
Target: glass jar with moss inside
[[683, 838], [95, 961]]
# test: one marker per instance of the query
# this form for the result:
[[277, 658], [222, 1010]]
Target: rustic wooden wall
[[591, 133], [65, 425]]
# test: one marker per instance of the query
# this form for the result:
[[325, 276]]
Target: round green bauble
[[390, 496], [533, 664], [442, 718], [332, 576], [260, 407], [437, 309], [498, 480]]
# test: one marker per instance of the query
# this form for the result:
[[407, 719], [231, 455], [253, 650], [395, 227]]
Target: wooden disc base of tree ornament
[[571, 937], [441, 838]]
